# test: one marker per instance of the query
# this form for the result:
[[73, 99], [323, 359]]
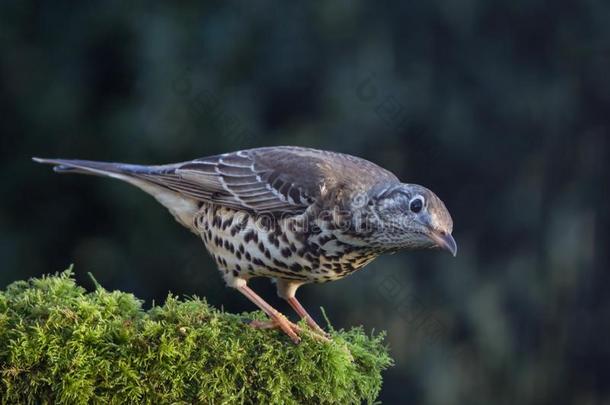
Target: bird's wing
[[271, 179]]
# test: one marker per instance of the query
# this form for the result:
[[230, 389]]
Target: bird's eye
[[416, 204]]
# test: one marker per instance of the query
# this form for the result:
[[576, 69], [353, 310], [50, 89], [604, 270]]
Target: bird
[[293, 214]]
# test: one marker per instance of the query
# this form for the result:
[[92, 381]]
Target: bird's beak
[[444, 241]]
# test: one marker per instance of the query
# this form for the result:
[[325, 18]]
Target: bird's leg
[[287, 289], [277, 318], [298, 308]]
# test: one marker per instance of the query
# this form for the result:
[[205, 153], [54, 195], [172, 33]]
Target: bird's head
[[409, 216]]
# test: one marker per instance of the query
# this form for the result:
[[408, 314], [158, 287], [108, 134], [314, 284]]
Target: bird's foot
[[298, 308], [280, 322], [293, 330], [316, 328]]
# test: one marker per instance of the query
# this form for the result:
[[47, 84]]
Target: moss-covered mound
[[62, 344]]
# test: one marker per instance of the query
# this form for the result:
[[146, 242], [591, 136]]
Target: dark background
[[502, 109]]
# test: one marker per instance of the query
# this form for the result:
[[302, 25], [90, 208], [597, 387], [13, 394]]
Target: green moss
[[62, 344]]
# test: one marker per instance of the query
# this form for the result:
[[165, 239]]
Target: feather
[[262, 180]]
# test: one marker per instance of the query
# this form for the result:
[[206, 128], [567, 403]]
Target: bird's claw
[[317, 329], [294, 331]]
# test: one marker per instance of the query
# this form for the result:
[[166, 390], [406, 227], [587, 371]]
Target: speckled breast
[[290, 247]]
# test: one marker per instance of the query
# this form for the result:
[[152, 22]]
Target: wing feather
[[267, 179]]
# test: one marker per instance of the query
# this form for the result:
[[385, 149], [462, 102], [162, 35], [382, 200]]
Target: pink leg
[[298, 308], [280, 320]]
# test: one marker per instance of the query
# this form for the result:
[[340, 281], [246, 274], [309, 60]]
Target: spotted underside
[[245, 245]]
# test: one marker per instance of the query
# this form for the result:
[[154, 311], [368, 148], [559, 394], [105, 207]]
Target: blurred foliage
[[501, 108], [60, 344]]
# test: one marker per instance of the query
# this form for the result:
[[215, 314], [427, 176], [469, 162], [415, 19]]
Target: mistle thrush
[[295, 215]]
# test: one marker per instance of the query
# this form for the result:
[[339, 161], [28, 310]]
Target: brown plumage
[[296, 215]]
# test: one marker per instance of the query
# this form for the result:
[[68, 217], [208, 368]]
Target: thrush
[[295, 215]]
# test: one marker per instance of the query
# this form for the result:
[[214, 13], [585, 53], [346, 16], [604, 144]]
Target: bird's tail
[[118, 170], [143, 177]]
